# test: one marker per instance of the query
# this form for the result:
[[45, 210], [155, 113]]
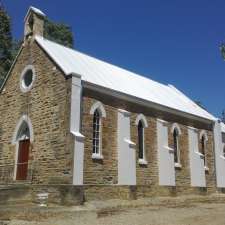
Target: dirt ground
[[186, 214]]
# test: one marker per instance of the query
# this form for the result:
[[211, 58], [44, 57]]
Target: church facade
[[68, 118]]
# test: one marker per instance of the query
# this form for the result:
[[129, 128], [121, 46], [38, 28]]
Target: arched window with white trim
[[176, 132], [141, 140], [22, 138], [203, 146], [141, 124], [96, 133], [98, 112]]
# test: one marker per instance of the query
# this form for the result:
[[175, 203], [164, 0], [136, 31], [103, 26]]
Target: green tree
[[59, 33], [6, 43], [222, 50]]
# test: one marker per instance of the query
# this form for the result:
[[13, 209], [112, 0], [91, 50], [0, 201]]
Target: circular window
[[27, 78]]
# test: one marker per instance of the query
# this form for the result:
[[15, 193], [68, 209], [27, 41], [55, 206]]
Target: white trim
[[162, 121], [78, 135], [24, 118], [23, 87], [177, 165], [125, 113], [200, 154], [16, 139], [142, 118], [99, 153], [131, 143], [16, 159], [192, 128], [176, 126], [171, 150], [203, 133], [142, 162], [97, 156], [125, 151], [99, 106], [75, 123]]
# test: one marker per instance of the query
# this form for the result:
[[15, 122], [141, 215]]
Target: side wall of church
[[104, 171]]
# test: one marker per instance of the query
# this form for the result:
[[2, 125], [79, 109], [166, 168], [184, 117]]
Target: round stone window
[[27, 78]]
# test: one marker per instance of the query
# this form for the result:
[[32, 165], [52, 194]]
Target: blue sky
[[174, 41]]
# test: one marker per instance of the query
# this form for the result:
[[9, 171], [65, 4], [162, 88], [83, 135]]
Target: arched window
[[176, 145], [203, 146], [96, 133], [176, 132], [140, 140], [98, 112], [141, 124]]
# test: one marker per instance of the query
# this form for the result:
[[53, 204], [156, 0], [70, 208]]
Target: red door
[[22, 162]]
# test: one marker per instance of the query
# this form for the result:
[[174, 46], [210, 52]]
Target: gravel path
[[196, 214]]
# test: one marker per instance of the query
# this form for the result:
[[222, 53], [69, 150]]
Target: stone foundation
[[76, 195], [57, 194]]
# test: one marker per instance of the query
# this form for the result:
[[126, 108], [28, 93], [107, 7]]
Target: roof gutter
[[130, 98], [143, 102]]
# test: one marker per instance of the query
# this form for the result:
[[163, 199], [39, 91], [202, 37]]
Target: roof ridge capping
[[35, 10]]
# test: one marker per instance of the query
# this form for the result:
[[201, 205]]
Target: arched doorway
[[22, 138]]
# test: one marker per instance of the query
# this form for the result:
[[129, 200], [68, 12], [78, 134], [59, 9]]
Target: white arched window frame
[[24, 87], [23, 131], [141, 124], [176, 133], [98, 112], [203, 146]]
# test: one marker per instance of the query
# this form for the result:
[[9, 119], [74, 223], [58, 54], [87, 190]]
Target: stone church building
[[69, 119]]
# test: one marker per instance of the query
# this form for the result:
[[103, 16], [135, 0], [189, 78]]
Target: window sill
[[171, 150], [142, 162], [130, 143], [97, 156], [200, 154], [178, 165]]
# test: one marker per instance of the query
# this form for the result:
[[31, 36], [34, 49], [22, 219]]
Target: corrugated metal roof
[[112, 77]]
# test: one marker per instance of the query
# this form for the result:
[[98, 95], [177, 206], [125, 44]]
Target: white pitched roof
[[223, 127], [112, 77]]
